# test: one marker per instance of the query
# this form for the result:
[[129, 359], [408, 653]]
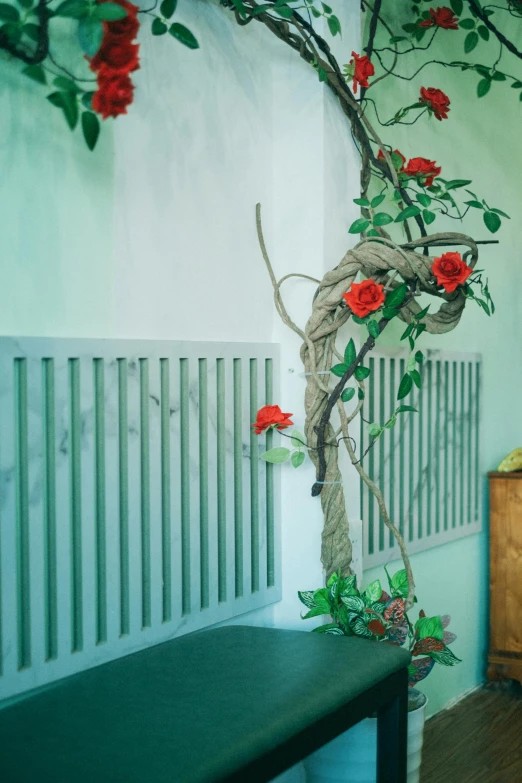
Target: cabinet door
[[506, 566]]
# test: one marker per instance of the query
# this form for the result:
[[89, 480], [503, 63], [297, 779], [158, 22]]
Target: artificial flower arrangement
[[377, 614]]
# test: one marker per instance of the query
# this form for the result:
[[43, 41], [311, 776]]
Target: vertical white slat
[[424, 429], [36, 512], [88, 515], [395, 436], [452, 444], [245, 470], [8, 592], [461, 473], [175, 490], [112, 497], [476, 426], [443, 443], [134, 496], [413, 450], [194, 485], [229, 429], [469, 441], [155, 489], [404, 463], [375, 384]]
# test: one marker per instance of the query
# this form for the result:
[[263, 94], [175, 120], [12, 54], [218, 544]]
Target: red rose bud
[[450, 271], [362, 69], [364, 298], [116, 57], [126, 28], [271, 416], [113, 96], [435, 100], [424, 169], [442, 17], [380, 156]]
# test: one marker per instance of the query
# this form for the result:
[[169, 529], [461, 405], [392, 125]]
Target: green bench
[[237, 704]]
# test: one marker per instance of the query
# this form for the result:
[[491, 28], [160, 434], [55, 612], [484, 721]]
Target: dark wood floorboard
[[479, 740]]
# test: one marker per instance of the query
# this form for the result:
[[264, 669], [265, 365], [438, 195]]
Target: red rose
[[423, 168], [113, 96], [450, 271], [116, 57], [436, 100], [380, 156], [127, 27], [363, 69], [271, 416], [364, 298], [442, 17]]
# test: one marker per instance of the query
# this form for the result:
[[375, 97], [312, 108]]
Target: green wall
[[480, 141]]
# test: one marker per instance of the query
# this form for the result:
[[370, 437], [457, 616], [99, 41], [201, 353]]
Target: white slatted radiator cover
[[428, 464], [133, 504]]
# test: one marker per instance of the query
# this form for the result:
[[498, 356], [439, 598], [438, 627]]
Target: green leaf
[[398, 39], [396, 297], [334, 25], [419, 357], [330, 629], [360, 394], [470, 41], [415, 375], [276, 455], [347, 394], [358, 226], [183, 35], [361, 373], [158, 26], [90, 35], [35, 72], [66, 84], [307, 598], [167, 8], [499, 212], [86, 100], [350, 353], [326, 8], [90, 128], [339, 370], [32, 31], [360, 321], [483, 87], [285, 11], [452, 184], [424, 199], [109, 12], [297, 458], [446, 657], [389, 313], [372, 233], [382, 219], [374, 590], [397, 161], [373, 328], [25, 3], [348, 586], [483, 31], [377, 200], [422, 314], [74, 9], [457, 6], [409, 212], [492, 221], [406, 409], [374, 430], [517, 85], [404, 387], [315, 611], [430, 627], [399, 583], [322, 601], [475, 204], [352, 602], [297, 439], [362, 202], [8, 13], [467, 24], [66, 101], [428, 216]]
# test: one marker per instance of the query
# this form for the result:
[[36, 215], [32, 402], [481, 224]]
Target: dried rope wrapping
[[384, 261]]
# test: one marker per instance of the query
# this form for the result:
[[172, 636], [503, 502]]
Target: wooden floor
[[479, 740]]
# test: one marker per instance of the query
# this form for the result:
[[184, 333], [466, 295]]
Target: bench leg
[[392, 740]]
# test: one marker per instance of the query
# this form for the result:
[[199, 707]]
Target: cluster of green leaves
[[376, 614], [90, 16], [19, 23], [286, 9], [280, 454], [486, 303], [161, 24], [375, 430], [490, 215], [476, 29], [360, 373], [380, 219]]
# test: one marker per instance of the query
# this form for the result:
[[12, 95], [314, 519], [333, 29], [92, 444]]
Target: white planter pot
[[351, 757]]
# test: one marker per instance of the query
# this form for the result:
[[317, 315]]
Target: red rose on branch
[[364, 298], [116, 57], [424, 169], [113, 96], [362, 69], [380, 156], [127, 27], [450, 271], [436, 100], [271, 416], [442, 17]]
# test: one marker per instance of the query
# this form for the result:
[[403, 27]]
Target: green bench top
[[196, 709]]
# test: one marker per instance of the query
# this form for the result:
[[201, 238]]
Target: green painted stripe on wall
[[254, 479], [23, 568], [270, 552], [145, 494], [123, 496], [238, 478], [185, 482], [100, 520], [166, 540], [49, 504], [203, 485], [75, 473]]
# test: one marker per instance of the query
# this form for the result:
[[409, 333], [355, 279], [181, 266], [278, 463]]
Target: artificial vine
[[406, 195]]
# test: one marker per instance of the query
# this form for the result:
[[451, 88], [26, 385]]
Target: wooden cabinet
[[505, 643]]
